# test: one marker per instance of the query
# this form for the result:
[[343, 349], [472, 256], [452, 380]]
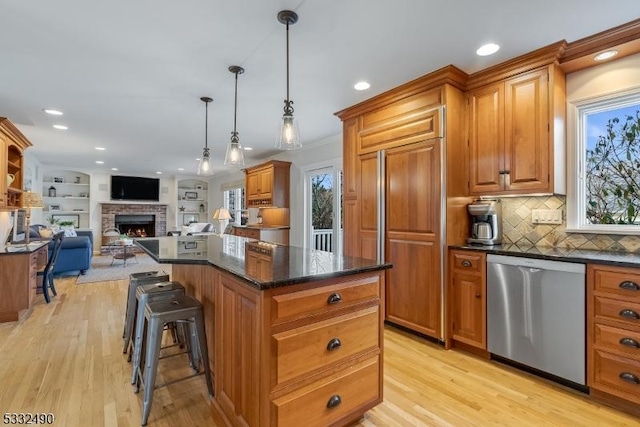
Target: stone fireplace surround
[[109, 211]]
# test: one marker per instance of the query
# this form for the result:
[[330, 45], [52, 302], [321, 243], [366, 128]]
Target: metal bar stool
[[135, 280], [183, 309], [149, 293]]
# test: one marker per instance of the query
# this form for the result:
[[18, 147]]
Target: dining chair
[[47, 272]]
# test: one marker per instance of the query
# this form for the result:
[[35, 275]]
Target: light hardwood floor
[[66, 358]]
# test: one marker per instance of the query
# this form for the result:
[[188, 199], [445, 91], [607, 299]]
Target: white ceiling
[[129, 74]]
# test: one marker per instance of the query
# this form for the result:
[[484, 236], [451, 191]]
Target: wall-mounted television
[[135, 188]]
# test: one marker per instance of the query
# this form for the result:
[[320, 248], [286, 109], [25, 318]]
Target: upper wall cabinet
[[516, 131], [267, 185], [12, 146]]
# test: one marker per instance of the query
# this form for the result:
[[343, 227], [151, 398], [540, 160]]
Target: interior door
[[413, 184]]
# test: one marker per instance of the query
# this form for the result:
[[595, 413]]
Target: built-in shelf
[[193, 210], [71, 190]]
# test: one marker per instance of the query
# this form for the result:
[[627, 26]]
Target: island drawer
[[329, 400], [617, 281], [295, 305], [617, 375], [617, 340], [623, 312], [315, 346]]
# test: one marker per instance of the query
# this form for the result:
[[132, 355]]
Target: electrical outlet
[[546, 216]]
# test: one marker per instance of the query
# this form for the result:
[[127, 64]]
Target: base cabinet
[[613, 331], [310, 352], [19, 282], [467, 290]]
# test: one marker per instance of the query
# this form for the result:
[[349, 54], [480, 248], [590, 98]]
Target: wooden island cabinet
[[299, 337]]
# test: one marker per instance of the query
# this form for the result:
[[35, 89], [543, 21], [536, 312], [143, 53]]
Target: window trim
[[576, 158]]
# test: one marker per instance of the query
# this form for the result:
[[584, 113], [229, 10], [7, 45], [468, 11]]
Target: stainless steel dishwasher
[[536, 314]]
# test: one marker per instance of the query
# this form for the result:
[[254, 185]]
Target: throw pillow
[[69, 231], [45, 233]]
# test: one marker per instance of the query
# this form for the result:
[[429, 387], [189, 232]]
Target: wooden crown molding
[[579, 54], [447, 75], [12, 132], [532, 60]]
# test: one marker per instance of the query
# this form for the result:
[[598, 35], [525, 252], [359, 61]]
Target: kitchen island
[[294, 335]]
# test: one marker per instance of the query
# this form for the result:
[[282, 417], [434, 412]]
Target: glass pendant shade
[[289, 135], [234, 156], [204, 165]]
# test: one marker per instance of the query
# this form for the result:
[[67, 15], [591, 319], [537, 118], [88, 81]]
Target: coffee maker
[[486, 222]]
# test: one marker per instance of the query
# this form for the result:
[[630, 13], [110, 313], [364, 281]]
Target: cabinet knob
[[629, 342], [629, 314], [478, 295], [334, 344], [334, 298], [629, 285], [629, 377], [466, 263], [334, 401]]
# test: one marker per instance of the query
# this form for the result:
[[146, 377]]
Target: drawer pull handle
[[334, 298], [629, 314], [629, 342], [629, 377], [335, 400], [629, 285], [334, 344], [466, 263]]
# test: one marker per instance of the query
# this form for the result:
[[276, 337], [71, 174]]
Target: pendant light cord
[[206, 123], [235, 108], [288, 62]]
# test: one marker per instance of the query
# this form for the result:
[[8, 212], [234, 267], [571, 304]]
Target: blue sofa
[[76, 252]]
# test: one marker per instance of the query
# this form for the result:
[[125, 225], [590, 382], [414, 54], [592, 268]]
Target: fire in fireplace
[[136, 225]]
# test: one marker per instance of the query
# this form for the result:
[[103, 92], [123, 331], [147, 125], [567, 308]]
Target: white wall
[[612, 76], [328, 150]]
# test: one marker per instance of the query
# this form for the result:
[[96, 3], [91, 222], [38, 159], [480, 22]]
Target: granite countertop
[[289, 264], [22, 248], [264, 227], [622, 259]]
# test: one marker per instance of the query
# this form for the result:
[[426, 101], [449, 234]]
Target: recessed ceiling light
[[100, 148], [114, 169], [361, 86], [605, 55], [159, 173], [180, 169], [60, 127], [248, 148], [487, 49], [53, 112], [99, 162]]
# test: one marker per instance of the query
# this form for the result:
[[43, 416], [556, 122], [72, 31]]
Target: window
[[234, 202], [323, 212], [604, 195]]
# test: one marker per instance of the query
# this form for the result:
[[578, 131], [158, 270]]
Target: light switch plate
[[546, 216]]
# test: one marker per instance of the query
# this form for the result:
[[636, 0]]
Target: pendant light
[[234, 156], [204, 166], [289, 136]]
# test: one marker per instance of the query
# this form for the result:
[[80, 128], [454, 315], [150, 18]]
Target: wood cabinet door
[[486, 139], [413, 236], [526, 152], [237, 375], [349, 158], [266, 183], [351, 228], [253, 186], [469, 313], [368, 216]]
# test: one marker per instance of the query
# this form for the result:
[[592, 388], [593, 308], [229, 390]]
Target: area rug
[[102, 270]]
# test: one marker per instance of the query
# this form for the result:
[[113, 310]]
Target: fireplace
[[136, 225], [149, 218]]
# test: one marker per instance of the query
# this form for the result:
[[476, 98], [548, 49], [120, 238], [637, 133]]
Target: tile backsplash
[[518, 228]]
